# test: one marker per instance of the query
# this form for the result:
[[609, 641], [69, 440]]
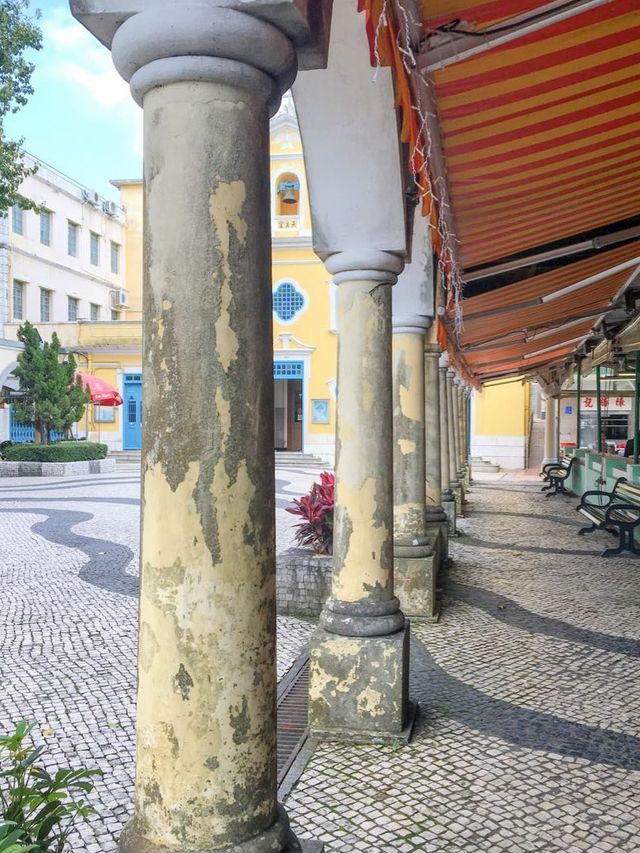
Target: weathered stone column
[[415, 561], [456, 486], [435, 516], [462, 431], [550, 431], [448, 497], [466, 399], [207, 78], [359, 655]]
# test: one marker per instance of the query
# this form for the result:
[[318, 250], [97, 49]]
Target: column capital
[[432, 349], [365, 265], [197, 41], [416, 324]]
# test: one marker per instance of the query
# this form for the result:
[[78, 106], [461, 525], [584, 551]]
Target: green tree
[[54, 398], [19, 33]]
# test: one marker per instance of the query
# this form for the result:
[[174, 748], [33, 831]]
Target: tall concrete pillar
[[416, 562], [454, 469], [208, 79], [462, 432], [448, 496], [467, 454], [435, 516], [550, 431], [359, 654], [457, 404]]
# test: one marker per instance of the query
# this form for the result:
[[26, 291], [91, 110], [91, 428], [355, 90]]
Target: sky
[[81, 118]]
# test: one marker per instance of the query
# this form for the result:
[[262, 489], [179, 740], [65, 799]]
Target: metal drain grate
[[293, 709]]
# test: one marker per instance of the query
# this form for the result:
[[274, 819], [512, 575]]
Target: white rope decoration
[[436, 190]]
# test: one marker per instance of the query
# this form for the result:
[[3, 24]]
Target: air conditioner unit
[[91, 197], [110, 208], [119, 299]]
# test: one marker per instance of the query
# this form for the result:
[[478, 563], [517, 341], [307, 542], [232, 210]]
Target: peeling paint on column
[[408, 434], [225, 209], [363, 531], [206, 710], [366, 562], [406, 446]]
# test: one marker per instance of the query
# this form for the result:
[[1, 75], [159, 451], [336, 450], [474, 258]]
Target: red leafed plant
[[316, 510]]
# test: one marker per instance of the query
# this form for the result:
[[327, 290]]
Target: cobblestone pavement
[[529, 689], [68, 611], [529, 732]]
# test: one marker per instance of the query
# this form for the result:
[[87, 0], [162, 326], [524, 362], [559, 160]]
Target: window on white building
[[45, 227], [115, 315], [45, 305], [18, 300], [95, 248], [115, 258], [73, 229], [17, 219], [94, 312], [72, 308]]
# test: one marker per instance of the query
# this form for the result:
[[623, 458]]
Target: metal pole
[[598, 410], [636, 413], [579, 390]]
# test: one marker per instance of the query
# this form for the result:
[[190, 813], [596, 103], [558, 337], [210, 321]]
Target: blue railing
[[26, 433]]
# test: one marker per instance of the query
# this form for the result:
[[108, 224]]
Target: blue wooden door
[[132, 412]]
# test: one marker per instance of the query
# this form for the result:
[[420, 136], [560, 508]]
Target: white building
[[64, 264]]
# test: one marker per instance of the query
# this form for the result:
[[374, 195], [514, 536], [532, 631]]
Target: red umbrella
[[100, 392]]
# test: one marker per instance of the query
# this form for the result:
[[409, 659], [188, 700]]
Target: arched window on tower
[[287, 195]]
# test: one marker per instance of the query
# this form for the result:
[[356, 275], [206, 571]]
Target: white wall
[[51, 267], [507, 451]]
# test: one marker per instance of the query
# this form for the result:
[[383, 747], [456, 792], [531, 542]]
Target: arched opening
[[287, 195]]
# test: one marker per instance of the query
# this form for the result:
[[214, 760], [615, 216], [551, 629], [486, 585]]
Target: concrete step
[[283, 459], [288, 459], [126, 457], [479, 466]]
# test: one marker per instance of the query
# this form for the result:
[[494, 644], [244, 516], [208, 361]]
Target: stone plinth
[[358, 687]]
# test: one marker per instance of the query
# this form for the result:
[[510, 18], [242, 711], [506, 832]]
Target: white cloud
[[74, 56]]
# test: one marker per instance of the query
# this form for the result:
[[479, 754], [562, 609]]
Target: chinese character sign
[[588, 402]]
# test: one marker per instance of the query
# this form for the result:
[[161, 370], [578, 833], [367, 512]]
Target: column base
[[450, 509], [443, 534], [458, 494], [358, 688], [414, 582], [277, 839]]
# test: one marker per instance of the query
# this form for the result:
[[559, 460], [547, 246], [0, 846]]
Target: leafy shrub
[[316, 510], [39, 810], [64, 451]]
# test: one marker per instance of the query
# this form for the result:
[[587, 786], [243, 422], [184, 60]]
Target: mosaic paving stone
[[68, 610]]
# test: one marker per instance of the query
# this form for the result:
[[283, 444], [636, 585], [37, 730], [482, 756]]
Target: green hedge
[[63, 451]]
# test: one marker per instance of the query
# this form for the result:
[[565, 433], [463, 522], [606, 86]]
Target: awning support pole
[[579, 391], [598, 410], [636, 413]]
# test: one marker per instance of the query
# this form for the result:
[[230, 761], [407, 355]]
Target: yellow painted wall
[[310, 328], [503, 408], [108, 367], [131, 198], [307, 338]]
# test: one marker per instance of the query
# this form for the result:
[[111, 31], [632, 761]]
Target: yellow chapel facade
[[304, 336]]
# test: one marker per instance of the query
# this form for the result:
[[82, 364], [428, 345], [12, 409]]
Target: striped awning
[[536, 118]]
